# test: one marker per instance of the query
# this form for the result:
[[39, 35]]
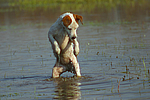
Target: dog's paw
[[57, 49], [76, 52]]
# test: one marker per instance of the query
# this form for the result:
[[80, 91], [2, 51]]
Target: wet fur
[[63, 38]]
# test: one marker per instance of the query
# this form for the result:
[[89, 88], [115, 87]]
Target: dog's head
[[71, 23]]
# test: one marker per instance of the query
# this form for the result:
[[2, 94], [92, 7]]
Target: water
[[114, 46]]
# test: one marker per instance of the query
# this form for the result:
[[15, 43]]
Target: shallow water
[[114, 55]]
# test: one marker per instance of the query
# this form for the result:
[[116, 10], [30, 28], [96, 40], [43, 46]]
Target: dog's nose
[[73, 37]]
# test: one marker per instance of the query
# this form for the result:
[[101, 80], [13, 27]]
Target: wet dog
[[63, 38]]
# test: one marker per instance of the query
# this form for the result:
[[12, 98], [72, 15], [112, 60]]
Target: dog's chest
[[63, 41]]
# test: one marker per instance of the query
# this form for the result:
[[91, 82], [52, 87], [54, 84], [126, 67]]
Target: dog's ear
[[67, 20], [77, 18]]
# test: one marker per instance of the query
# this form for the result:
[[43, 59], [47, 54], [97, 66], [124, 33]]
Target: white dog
[[63, 38]]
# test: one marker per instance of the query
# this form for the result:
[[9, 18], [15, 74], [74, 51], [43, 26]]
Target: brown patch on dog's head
[[67, 20], [77, 18]]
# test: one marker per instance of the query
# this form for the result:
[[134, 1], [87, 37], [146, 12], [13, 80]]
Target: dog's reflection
[[67, 89]]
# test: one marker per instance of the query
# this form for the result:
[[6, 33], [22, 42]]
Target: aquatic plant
[[65, 5], [144, 67], [112, 88], [119, 84]]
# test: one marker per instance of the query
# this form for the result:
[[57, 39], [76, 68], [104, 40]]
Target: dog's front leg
[[76, 47], [55, 45]]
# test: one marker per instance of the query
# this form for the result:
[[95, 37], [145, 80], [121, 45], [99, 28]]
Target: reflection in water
[[67, 88]]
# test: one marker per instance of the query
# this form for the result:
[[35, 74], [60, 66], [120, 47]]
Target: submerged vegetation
[[65, 5]]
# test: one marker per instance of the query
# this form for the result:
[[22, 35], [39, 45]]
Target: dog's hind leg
[[76, 66], [57, 71]]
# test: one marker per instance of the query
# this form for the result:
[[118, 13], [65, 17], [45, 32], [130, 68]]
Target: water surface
[[114, 53]]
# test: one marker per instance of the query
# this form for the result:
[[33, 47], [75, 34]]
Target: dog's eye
[[69, 28]]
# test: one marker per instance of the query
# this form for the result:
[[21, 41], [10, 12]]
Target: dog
[[63, 38]]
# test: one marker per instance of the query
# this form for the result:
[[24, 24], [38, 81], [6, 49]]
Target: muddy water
[[114, 55]]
